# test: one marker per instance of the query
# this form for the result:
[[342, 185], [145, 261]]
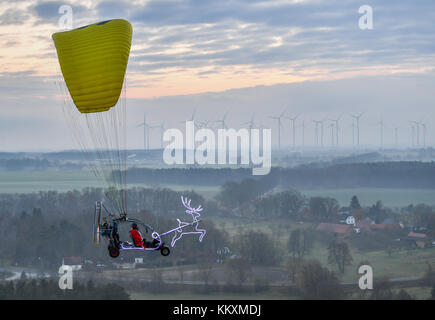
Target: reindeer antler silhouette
[[186, 204]]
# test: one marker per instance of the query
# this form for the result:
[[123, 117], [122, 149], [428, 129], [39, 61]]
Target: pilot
[[136, 236]]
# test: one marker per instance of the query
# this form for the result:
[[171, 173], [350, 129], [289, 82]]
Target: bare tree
[[299, 243], [339, 253], [317, 282], [239, 270]]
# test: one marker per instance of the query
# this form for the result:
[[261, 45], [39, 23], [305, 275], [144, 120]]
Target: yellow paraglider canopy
[[93, 60]]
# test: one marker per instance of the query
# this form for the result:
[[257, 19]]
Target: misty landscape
[[226, 154], [267, 237]]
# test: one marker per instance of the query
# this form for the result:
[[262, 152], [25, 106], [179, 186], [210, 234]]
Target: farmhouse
[[420, 240], [364, 225], [339, 230], [385, 226]]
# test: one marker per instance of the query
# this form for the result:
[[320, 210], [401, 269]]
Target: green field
[[369, 196], [34, 181], [400, 265]]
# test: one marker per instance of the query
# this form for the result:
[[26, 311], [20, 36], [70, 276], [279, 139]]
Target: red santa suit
[[137, 238]]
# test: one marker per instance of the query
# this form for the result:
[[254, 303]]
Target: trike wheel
[[113, 252], [165, 251]]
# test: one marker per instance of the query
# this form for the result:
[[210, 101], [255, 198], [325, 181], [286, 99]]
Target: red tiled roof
[[417, 235], [367, 226], [382, 226], [363, 224], [335, 228]]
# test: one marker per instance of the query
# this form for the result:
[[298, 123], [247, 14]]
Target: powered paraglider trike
[[108, 228]]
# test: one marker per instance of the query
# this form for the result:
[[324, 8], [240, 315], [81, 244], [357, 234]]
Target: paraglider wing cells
[[93, 61]]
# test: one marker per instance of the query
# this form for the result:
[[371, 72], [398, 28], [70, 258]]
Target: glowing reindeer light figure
[[195, 214]]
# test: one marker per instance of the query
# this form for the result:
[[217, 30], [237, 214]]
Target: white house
[[350, 220]]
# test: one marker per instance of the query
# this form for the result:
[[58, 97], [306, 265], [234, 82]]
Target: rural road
[[32, 274]]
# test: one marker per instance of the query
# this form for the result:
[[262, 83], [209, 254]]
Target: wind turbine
[[396, 130], [278, 118], [293, 120], [146, 128], [222, 121], [260, 125], [162, 129], [202, 124], [316, 133], [332, 134], [337, 128], [192, 118], [381, 124], [417, 125], [412, 134], [353, 133], [424, 133], [251, 122], [321, 131], [319, 122], [356, 117]]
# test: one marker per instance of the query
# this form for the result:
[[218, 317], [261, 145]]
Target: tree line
[[43, 289], [393, 174]]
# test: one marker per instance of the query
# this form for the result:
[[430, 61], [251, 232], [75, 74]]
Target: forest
[[349, 175]]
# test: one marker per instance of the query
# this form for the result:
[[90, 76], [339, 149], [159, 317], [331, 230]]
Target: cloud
[[13, 17], [294, 36], [48, 10], [312, 34], [186, 46]]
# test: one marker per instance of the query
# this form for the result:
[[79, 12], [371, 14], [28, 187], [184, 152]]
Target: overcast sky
[[235, 56]]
